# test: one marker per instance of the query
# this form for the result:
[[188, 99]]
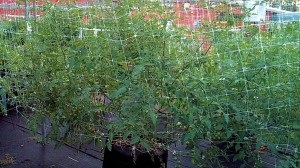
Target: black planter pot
[[228, 145], [122, 157], [229, 162]]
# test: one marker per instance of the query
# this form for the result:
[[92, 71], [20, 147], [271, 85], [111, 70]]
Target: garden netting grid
[[141, 60]]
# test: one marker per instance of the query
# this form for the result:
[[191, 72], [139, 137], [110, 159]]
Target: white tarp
[[258, 10]]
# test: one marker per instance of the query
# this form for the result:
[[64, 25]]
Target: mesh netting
[[202, 79]]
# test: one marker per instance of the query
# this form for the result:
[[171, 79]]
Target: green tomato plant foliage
[[144, 54], [248, 95], [11, 38], [58, 74]]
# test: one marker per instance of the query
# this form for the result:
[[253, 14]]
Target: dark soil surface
[[19, 149]]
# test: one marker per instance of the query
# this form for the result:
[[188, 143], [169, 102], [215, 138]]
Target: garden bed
[[25, 151]]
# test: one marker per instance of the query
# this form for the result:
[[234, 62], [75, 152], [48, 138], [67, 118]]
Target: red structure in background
[[195, 13], [9, 8], [8, 1], [16, 12], [190, 17], [184, 17], [41, 2]]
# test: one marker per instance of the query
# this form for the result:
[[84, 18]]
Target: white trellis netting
[[195, 73]]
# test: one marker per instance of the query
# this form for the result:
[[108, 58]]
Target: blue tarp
[[286, 17]]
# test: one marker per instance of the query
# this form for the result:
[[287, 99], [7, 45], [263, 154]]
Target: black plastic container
[[122, 157]]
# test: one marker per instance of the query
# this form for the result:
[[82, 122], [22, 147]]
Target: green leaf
[[234, 108], [109, 140], [219, 111], [238, 117], [118, 92], [293, 164], [145, 145], [229, 134], [137, 70], [89, 66], [226, 116], [189, 136], [219, 127], [272, 148], [126, 135], [207, 123], [237, 147], [216, 103], [296, 126], [135, 140], [235, 158], [153, 117], [109, 146], [258, 145]]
